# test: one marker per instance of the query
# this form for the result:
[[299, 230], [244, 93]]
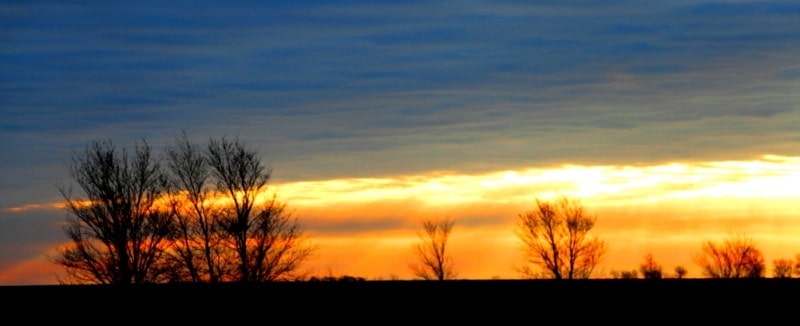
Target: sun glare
[[771, 177], [668, 209]]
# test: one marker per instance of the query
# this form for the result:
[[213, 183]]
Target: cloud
[[27, 234], [377, 89], [666, 208]]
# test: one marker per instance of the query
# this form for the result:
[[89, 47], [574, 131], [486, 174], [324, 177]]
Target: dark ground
[[494, 302]]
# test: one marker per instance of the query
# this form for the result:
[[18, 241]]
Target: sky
[[674, 122]]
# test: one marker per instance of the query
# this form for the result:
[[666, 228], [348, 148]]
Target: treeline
[[559, 245], [198, 213], [738, 256]]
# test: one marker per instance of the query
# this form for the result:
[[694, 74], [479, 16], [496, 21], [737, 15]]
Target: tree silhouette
[[196, 253], [434, 262], [786, 268], [116, 228], [265, 238], [680, 271], [735, 257], [204, 218], [556, 239], [782, 268], [649, 268], [796, 271], [625, 275]]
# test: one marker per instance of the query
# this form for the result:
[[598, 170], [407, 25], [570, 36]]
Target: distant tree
[[649, 268], [782, 268], [343, 278], [735, 257], [625, 275], [786, 268], [796, 271], [115, 226], [557, 240], [267, 242], [680, 271], [434, 263], [632, 274]]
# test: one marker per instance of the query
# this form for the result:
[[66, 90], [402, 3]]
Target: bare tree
[[786, 268], [266, 240], [650, 268], [796, 271], [116, 228], [735, 257], [557, 239], [782, 268], [279, 244], [196, 254], [434, 262], [680, 271], [625, 275], [137, 223]]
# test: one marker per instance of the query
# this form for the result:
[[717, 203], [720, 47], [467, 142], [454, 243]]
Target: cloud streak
[[665, 208], [365, 90]]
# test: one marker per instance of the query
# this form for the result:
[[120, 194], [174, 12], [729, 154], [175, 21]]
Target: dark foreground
[[390, 302]]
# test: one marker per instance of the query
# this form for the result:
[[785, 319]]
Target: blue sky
[[329, 89]]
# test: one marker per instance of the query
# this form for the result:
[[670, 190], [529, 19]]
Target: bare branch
[[115, 228], [556, 239], [735, 257], [434, 262]]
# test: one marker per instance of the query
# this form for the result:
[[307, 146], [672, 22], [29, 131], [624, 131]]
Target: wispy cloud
[[668, 207], [366, 89]]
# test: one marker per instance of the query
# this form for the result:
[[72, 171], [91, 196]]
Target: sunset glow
[[367, 226], [769, 177], [666, 209], [673, 122]]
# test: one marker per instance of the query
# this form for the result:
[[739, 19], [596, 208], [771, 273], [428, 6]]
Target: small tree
[[629, 275], [796, 270], [625, 275], [782, 268], [556, 237], [736, 257], [434, 262], [680, 271], [786, 267], [649, 268]]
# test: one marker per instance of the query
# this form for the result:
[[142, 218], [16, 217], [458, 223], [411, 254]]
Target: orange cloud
[[367, 226], [32, 271], [30, 207], [667, 210]]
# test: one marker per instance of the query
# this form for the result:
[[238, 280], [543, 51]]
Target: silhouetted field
[[498, 301]]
